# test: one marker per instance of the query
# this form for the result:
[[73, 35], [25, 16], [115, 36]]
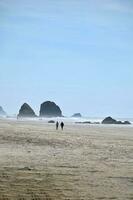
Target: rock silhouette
[[2, 112], [26, 111], [110, 120], [77, 115], [50, 109]]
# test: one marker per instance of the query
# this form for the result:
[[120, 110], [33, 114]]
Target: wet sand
[[84, 162]]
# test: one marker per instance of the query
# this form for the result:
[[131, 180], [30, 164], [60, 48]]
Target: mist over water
[[68, 120]]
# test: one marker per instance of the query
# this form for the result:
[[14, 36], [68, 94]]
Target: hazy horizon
[[75, 53]]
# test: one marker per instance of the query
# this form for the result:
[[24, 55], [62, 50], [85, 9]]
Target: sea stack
[[2, 112], [77, 115], [110, 120], [26, 111], [50, 109]]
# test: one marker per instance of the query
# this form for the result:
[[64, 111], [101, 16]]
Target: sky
[[78, 53]]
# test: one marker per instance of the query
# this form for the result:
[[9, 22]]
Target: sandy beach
[[84, 162]]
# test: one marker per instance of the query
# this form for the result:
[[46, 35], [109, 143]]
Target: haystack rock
[[77, 115], [26, 111], [2, 112], [50, 109]]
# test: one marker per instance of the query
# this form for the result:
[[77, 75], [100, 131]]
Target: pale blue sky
[[78, 53]]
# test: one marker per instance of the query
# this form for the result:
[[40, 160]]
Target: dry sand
[[83, 162]]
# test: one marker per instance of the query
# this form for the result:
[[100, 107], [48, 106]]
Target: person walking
[[57, 125], [62, 125]]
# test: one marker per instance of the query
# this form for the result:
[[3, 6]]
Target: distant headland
[[2, 112]]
